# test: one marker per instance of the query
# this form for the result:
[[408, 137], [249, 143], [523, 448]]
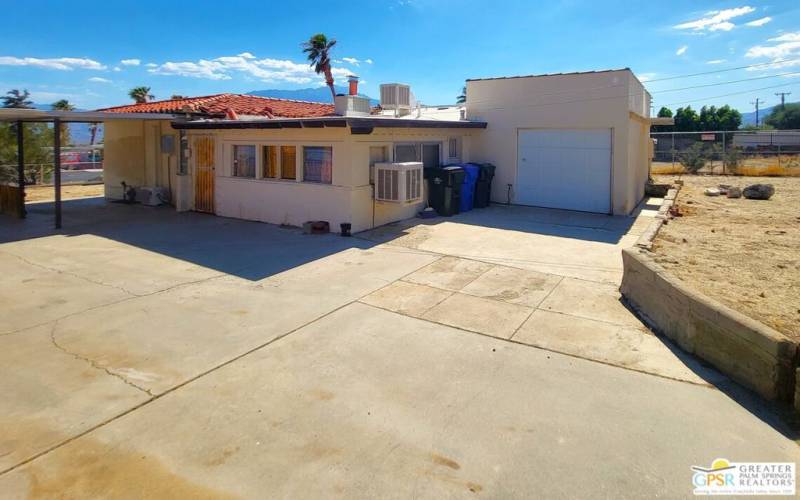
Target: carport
[[20, 116]]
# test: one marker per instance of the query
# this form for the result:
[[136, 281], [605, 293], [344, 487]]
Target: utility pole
[[757, 102], [783, 98]]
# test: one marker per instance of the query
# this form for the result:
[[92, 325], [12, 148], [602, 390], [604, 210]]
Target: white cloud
[[117, 69], [716, 20], [368, 61], [715, 61], [131, 62], [759, 22], [266, 70], [682, 50], [784, 51], [97, 79], [646, 77], [61, 63], [351, 60], [151, 65]]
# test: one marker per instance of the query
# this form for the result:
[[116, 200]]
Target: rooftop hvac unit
[[398, 182], [396, 96]]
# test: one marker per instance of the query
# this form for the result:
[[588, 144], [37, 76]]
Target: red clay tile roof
[[241, 104]]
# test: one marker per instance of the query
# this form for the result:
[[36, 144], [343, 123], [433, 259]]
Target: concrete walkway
[[145, 353]]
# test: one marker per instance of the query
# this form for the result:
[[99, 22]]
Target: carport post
[[21, 169], [57, 168]]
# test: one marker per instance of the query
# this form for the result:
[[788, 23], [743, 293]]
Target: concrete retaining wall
[[749, 352]]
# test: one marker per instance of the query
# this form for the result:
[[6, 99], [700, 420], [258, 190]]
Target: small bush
[[693, 158], [732, 160]]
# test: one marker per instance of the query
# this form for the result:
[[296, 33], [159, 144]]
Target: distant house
[[574, 141]]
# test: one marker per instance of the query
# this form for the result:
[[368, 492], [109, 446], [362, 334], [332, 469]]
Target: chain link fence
[[768, 153]]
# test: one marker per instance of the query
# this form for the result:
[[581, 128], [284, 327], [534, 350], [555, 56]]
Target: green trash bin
[[444, 189], [483, 187]]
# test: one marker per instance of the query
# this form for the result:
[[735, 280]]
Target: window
[[377, 154], [406, 152], [244, 161], [318, 164], [452, 148], [288, 162], [270, 167]]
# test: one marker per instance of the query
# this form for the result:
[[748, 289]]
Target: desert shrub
[[693, 158], [732, 159]]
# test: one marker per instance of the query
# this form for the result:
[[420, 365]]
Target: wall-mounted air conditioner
[[397, 96], [398, 182]]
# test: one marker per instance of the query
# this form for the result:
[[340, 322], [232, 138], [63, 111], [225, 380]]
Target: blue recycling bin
[[468, 188]]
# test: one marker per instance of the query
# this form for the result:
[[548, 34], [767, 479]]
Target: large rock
[[734, 192], [759, 191]]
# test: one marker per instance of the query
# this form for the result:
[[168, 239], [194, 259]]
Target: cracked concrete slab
[[371, 403], [449, 273], [517, 286], [162, 340], [476, 314], [406, 298], [49, 396], [590, 300], [32, 295]]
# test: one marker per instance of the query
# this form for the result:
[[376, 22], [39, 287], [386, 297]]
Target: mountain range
[[750, 118], [313, 94]]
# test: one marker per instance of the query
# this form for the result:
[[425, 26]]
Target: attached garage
[[574, 141], [567, 169]]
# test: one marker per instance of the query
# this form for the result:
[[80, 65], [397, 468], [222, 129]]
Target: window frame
[[420, 153], [303, 162], [255, 160]]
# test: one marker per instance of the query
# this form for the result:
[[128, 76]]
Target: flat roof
[[358, 124], [40, 115], [549, 74]]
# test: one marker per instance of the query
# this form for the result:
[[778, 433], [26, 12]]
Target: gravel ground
[[744, 253]]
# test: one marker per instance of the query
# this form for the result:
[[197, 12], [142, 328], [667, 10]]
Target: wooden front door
[[204, 174]]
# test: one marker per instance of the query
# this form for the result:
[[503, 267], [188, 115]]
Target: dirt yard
[[744, 253], [46, 193]]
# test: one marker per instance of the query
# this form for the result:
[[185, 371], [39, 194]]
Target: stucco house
[[575, 141]]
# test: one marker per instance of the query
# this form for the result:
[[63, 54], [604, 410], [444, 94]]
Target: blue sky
[[93, 52]]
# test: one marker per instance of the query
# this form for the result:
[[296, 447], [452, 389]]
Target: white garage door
[[569, 169]]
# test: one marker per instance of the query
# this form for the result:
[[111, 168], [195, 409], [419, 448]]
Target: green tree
[[64, 105], [728, 118], [16, 99], [786, 117], [686, 120], [141, 95], [664, 112], [318, 49], [462, 98], [37, 141]]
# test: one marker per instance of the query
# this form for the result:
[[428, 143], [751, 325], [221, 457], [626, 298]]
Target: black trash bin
[[444, 189], [483, 187]]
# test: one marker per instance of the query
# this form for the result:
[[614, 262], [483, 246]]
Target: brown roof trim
[[549, 74], [358, 123]]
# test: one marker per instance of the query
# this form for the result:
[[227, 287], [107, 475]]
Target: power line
[[728, 83], [732, 93], [722, 70], [783, 98], [756, 103]]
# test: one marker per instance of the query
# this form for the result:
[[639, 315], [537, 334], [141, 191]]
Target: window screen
[[270, 168], [406, 152], [318, 164], [377, 154], [244, 161]]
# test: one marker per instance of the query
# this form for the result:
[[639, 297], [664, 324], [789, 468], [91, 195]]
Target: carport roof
[[357, 124], [39, 115], [547, 74]]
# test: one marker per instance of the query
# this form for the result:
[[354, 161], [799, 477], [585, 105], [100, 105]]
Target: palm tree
[[318, 50], [63, 105], [462, 98], [16, 99], [141, 94]]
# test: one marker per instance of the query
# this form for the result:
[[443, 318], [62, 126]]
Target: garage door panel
[[569, 169]]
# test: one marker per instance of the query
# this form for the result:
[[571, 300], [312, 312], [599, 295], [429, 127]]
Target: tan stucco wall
[[132, 153], [576, 101], [123, 155]]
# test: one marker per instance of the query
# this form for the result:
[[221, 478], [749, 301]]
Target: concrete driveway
[[145, 353]]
